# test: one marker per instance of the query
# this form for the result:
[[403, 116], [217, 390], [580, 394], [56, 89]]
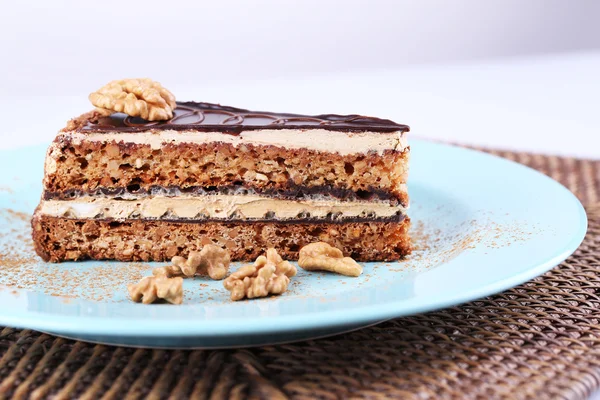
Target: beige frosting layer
[[313, 139], [214, 207]]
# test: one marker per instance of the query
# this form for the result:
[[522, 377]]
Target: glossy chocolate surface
[[217, 118]]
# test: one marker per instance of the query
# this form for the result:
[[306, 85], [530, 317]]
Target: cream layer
[[312, 139], [212, 207]]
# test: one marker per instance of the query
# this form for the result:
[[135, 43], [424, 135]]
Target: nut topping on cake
[[268, 275], [322, 257], [142, 98]]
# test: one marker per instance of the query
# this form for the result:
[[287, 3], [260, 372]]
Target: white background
[[505, 73]]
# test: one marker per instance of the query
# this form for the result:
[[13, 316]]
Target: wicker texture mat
[[539, 340]]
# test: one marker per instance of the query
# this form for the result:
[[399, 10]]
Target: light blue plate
[[482, 224]]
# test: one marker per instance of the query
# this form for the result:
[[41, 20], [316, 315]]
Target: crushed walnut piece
[[152, 288], [181, 266], [142, 98], [212, 260], [321, 256], [168, 271], [268, 275], [215, 261]]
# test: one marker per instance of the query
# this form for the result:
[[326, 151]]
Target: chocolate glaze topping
[[214, 117]]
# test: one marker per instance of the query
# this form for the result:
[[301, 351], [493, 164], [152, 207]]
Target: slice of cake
[[124, 188]]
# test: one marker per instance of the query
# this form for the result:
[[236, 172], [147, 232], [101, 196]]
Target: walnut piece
[[215, 261], [211, 260], [168, 271], [152, 288], [187, 267], [322, 257], [142, 98], [268, 275]]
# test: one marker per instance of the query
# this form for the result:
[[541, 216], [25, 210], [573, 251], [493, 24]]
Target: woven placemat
[[539, 340]]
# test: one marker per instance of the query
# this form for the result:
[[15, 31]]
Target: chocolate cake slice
[[123, 188]]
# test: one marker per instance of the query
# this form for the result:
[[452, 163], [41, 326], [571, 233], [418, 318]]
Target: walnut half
[[142, 98], [268, 275], [152, 288], [211, 260], [322, 257]]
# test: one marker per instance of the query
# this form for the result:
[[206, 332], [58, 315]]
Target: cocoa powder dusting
[[21, 268], [433, 246]]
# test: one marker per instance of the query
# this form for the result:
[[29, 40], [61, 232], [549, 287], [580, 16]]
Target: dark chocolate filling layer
[[329, 220], [293, 192], [215, 117]]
